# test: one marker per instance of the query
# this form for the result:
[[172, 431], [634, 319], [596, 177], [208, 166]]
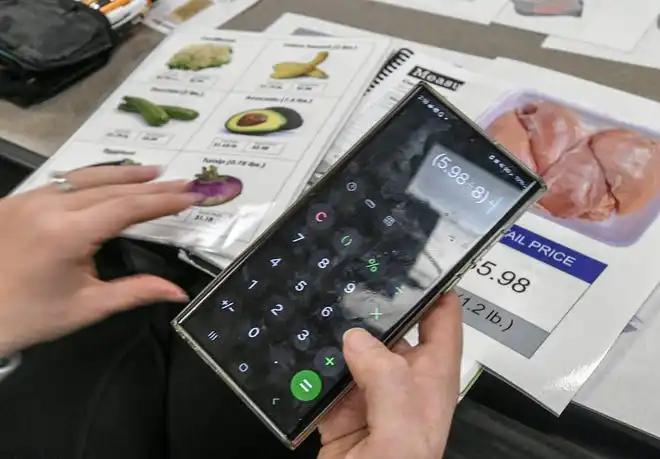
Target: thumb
[[385, 378], [130, 292]]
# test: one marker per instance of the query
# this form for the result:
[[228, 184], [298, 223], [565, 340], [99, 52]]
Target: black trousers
[[128, 388]]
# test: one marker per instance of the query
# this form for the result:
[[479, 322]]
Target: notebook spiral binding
[[397, 60]]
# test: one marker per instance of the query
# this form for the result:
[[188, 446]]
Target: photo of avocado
[[156, 115], [287, 70], [264, 121], [218, 189], [201, 56]]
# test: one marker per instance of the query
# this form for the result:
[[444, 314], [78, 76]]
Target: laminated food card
[[545, 304], [245, 117]]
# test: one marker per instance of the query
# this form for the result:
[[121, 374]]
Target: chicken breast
[[631, 163], [577, 186], [552, 130], [508, 131]]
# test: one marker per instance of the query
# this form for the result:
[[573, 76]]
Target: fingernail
[[196, 197], [359, 340]]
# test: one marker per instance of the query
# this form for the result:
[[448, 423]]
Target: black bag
[[47, 45]]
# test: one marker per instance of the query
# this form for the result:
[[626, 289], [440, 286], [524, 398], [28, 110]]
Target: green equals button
[[306, 385]]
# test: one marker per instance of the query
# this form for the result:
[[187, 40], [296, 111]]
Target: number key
[[278, 309], [303, 337]]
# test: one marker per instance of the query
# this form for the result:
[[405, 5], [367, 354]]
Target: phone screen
[[363, 249]]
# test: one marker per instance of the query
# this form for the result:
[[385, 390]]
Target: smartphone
[[392, 226]]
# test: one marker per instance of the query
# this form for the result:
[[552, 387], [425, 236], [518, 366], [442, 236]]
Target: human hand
[[48, 283], [404, 399]]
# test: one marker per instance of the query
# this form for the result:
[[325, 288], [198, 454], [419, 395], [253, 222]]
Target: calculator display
[[363, 249]]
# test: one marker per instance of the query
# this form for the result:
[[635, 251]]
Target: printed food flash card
[[245, 117]]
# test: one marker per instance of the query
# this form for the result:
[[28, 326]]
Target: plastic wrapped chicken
[[549, 7], [590, 176]]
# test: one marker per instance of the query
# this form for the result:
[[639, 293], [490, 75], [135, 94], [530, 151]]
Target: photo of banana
[[287, 70]]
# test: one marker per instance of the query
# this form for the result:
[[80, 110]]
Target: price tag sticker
[[269, 148], [120, 134], [154, 138], [220, 143], [523, 287]]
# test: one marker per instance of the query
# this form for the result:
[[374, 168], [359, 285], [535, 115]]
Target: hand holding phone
[[389, 229], [405, 398]]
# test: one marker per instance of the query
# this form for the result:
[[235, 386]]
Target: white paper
[[568, 286], [480, 11], [446, 78], [163, 15], [611, 23], [297, 24], [624, 387], [645, 52], [266, 171]]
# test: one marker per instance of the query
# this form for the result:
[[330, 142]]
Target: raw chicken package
[[603, 175]]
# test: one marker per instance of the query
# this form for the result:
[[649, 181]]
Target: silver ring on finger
[[62, 183]]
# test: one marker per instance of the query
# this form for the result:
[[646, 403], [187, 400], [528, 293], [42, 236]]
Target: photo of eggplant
[[287, 70], [156, 115], [593, 175], [201, 56], [264, 121], [572, 8], [218, 189]]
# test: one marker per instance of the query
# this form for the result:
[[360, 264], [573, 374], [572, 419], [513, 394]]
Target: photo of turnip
[[218, 189]]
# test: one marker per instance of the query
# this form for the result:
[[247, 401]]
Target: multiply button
[[320, 216], [329, 361]]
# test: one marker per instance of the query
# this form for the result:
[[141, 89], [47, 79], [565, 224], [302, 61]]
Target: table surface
[[44, 128]]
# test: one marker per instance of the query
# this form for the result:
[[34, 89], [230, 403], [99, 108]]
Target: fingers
[[93, 196], [107, 298], [92, 177], [438, 355], [384, 377], [110, 217]]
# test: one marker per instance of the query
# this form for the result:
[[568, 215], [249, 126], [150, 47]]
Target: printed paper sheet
[[224, 110], [167, 15], [645, 52], [297, 24], [611, 23], [580, 261]]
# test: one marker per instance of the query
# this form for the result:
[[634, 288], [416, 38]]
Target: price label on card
[[154, 138], [203, 217], [310, 88], [523, 287], [275, 86], [169, 77], [220, 143], [202, 80], [269, 148], [120, 134]]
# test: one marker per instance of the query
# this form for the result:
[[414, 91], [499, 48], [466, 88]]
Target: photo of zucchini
[[156, 115]]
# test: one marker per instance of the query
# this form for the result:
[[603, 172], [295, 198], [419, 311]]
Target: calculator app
[[360, 250]]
